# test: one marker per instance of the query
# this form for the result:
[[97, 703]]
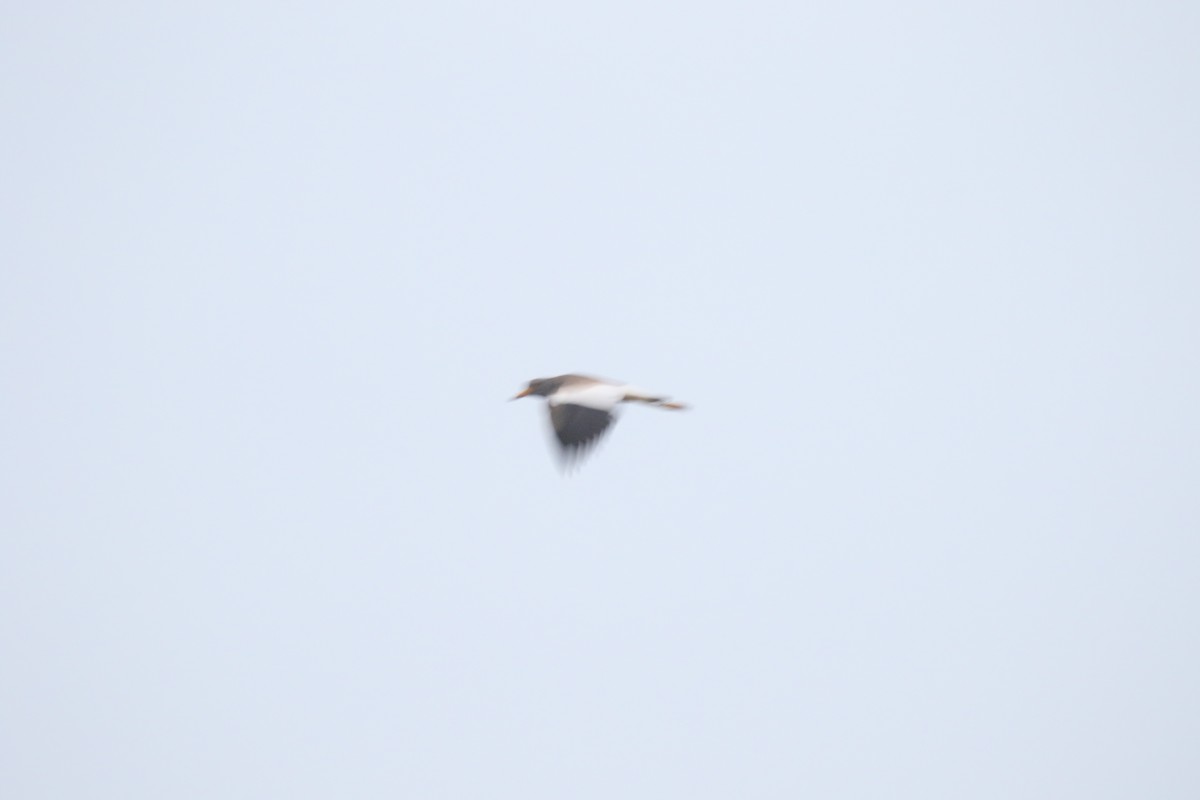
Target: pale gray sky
[[928, 273]]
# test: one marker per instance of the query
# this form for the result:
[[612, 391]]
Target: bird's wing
[[578, 426]]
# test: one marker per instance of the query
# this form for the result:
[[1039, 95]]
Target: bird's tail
[[652, 400]]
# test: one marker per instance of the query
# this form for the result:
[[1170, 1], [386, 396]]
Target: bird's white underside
[[602, 396]]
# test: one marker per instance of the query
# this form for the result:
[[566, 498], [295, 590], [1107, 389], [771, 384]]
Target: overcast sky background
[[929, 275]]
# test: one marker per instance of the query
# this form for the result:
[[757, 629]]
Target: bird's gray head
[[538, 386]]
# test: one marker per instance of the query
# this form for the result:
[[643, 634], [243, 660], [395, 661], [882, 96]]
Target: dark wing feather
[[578, 426]]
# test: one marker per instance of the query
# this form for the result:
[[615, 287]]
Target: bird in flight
[[581, 408]]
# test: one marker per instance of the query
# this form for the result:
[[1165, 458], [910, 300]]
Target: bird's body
[[582, 408]]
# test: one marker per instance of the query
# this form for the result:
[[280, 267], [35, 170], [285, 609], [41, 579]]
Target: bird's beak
[[523, 393]]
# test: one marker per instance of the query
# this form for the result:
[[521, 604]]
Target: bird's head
[[536, 386]]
